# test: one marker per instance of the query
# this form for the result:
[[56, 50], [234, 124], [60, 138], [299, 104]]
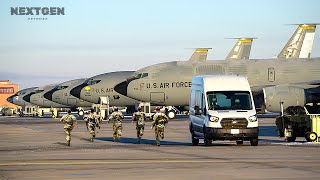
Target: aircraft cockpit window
[[92, 82], [144, 75], [137, 76], [61, 87], [39, 91]]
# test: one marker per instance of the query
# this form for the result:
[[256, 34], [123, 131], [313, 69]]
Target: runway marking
[[152, 162]]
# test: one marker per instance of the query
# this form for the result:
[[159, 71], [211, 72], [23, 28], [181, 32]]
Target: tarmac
[[34, 148]]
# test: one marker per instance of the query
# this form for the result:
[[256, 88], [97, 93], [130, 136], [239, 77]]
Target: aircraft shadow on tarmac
[[129, 140], [60, 143], [268, 131], [264, 131]]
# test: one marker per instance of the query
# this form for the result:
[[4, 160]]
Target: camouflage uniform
[[117, 124], [69, 121], [99, 120], [140, 118], [92, 121], [85, 118], [159, 122]]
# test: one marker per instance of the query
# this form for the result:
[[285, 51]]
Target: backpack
[[140, 119]]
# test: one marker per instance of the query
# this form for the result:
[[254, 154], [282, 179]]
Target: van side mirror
[[197, 110], [205, 111]]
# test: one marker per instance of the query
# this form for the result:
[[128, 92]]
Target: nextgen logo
[[37, 11]]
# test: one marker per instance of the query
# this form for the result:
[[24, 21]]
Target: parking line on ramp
[[150, 162]]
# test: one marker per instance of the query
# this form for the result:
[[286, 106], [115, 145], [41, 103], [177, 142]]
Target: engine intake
[[290, 96]]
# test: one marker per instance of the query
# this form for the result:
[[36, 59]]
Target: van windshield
[[229, 100]]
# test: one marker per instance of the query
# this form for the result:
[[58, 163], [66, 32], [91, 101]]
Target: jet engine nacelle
[[290, 96]]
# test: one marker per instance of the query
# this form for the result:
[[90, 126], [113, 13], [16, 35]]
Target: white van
[[222, 108]]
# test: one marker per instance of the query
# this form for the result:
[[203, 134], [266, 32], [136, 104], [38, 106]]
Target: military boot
[[162, 135], [68, 142], [138, 141]]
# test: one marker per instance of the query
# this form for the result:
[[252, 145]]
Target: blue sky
[[98, 36]]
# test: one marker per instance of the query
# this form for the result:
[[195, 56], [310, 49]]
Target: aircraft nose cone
[[10, 99], [48, 95], [77, 90], [122, 88]]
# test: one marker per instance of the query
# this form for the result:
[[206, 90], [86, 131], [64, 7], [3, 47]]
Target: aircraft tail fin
[[199, 54], [241, 50], [300, 43]]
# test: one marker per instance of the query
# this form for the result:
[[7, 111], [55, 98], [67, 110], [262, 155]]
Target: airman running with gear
[[117, 117], [85, 118], [99, 120], [69, 121], [92, 121], [159, 122], [140, 119]]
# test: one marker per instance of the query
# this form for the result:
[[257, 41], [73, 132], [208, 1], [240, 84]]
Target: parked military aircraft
[[61, 94], [290, 80], [17, 98], [94, 88], [169, 83], [102, 85], [36, 97]]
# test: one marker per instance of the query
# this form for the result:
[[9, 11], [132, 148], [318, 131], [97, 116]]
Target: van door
[[157, 97], [199, 118]]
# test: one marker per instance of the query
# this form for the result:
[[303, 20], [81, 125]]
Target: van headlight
[[253, 118], [213, 118]]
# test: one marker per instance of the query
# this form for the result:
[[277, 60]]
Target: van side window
[[198, 99]]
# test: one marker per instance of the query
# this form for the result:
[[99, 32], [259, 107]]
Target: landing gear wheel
[[291, 138], [311, 136], [81, 113], [195, 141], [280, 132], [254, 142], [239, 142], [171, 114]]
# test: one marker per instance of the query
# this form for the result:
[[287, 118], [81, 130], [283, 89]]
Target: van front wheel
[[195, 141], [254, 142], [206, 140]]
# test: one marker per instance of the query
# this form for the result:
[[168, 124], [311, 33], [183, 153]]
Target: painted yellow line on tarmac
[[151, 162]]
